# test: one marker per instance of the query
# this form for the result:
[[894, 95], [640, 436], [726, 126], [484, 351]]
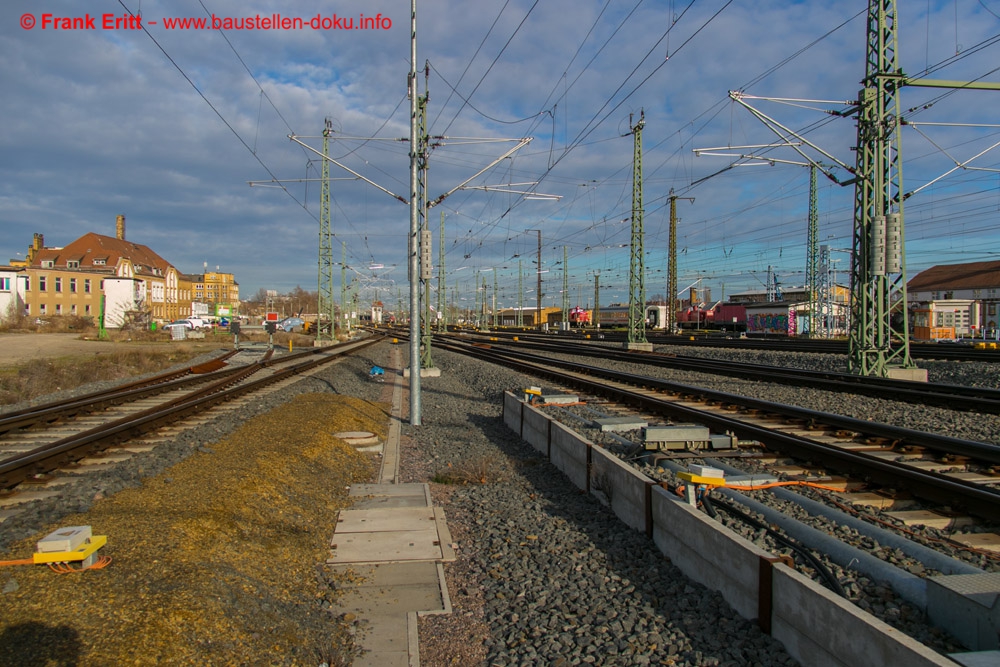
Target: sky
[[186, 132]]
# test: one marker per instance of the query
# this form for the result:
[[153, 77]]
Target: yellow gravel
[[215, 562]]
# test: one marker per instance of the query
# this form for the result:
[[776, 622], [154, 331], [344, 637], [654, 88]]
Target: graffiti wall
[[771, 323]]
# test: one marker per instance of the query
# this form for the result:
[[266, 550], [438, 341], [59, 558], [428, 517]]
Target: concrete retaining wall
[[570, 454], [820, 628], [816, 626], [708, 552], [512, 412], [624, 488]]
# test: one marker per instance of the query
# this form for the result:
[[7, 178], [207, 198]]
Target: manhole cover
[[357, 438]]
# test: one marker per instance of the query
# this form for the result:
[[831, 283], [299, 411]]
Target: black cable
[[782, 539]]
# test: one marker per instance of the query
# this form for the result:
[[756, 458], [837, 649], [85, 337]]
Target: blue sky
[[99, 122]]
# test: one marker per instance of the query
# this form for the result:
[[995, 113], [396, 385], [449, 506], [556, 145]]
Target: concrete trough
[[623, 488], [820, 628], [968, 607], [816, 626], [570, 453], [512, 412], [535, 427]]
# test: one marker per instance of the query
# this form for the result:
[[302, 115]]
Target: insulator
[[877, 246], [426, 265], [893, 243]]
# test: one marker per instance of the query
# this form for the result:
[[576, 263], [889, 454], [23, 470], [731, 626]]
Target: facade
[[70, 280], [13, 288], [507, 317], [218, 291], [962, 297]]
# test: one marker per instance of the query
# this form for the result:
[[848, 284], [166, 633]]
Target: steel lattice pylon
[[325, 305], [877, 341], [637, 265], [812, 256]]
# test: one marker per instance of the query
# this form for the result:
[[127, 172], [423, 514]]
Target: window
[[4, 284], [72, 309], [58, 309], [99, 262], [86, 309], [86, 286], [72, 285], [59, 284], [73, 264], [41, 309], [41, 283]]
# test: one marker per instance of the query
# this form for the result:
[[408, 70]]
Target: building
[[13, 288], [962, 297], [70, 280], [218, 292]]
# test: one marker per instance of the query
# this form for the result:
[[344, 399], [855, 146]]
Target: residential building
[[962, 297], [70, 280], [13, 287], [218, 292]]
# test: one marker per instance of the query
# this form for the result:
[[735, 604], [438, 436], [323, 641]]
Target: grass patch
[[481, 470], [45, 376]]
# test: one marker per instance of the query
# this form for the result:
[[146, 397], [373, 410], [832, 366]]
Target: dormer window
[[73, 264], [99, 262], [48, 263]]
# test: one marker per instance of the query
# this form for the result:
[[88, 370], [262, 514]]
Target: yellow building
[[69, 280], [215, 289]]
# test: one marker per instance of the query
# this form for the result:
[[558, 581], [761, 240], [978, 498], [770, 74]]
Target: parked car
[[190, 324], [290, 323]]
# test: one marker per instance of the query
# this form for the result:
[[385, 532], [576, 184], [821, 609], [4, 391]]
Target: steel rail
[[955, 397], [63, 452], [100, 400], [972, 498], [925, 351]]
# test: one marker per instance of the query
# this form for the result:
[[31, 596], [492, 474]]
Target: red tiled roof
[[974, 275], [93, 246]]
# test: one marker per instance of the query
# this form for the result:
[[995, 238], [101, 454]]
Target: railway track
[[923, 464], [953, 397], [924, 351], [865, 552], [42, 445]]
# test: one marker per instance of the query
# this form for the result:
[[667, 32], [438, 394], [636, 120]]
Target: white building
[[13, 287]]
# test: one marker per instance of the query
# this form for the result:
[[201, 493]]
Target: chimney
[[37, 243], [120, 228]]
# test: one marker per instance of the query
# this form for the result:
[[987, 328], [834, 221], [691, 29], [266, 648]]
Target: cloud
[[97, 123]]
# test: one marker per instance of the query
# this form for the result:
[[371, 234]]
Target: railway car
[[730, 317], [720, 317], [579, 317], [616, 315]]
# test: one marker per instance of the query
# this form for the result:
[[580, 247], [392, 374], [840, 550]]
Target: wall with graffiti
[[771, 323]]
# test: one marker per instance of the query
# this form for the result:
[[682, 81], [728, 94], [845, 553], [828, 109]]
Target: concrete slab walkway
[[392, 543]]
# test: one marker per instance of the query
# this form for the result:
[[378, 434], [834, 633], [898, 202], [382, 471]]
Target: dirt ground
[[17, 348]]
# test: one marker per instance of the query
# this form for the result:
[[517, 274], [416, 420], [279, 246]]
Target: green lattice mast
[[637, 265]]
